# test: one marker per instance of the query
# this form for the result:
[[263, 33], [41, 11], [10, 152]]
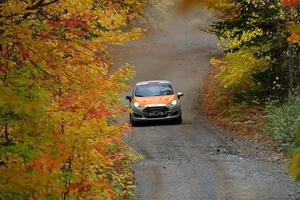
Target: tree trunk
[[290, 71], [297, 76], [294, 72], [6, 132]]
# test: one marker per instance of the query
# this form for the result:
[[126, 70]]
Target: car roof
[[152, 81]]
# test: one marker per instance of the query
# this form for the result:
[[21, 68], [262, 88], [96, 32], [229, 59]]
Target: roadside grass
[[216, 103], [274, 124], [281, 124]]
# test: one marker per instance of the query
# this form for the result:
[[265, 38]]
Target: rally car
[[154, 100]]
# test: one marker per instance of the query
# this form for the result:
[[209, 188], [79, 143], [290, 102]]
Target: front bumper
[[145, 114]]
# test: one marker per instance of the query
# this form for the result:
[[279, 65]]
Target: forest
[[61, 127]]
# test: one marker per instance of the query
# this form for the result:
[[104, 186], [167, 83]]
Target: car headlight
[[137, 105], [174, 103]]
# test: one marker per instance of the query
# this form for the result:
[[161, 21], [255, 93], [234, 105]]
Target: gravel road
[[195, 160]]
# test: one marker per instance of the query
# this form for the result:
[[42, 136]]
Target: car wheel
[[178, 120], [132, 122]]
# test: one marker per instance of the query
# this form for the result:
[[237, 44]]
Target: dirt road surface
[[195, 160]]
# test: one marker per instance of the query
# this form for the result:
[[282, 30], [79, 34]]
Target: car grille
[[137, 115], [156, 112]]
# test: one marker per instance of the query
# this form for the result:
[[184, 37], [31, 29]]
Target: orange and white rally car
[[154, 100]]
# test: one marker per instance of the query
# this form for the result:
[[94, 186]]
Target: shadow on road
[[157, 123]]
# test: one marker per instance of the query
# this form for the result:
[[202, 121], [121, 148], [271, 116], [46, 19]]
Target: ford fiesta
[[154, 100]]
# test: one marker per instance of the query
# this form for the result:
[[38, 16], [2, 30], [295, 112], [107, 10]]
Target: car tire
[[178, 120], [132, 122]]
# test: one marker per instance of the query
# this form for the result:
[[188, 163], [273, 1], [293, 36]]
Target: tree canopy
[[61, 137]]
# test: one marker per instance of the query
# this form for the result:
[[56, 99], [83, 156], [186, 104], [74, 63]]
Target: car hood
[[154, 100]]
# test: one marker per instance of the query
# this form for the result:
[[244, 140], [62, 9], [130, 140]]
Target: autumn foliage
[[290, 3], [294, 29], [60, 107]]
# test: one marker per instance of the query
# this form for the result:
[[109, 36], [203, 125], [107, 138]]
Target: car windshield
[[157, 89]]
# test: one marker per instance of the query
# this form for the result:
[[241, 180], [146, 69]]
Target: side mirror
[[179, 94], [129, 98]]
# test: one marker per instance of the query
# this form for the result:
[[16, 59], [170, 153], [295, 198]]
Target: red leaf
[[290, 3], [72, 23], [53, 133], [53, 23]]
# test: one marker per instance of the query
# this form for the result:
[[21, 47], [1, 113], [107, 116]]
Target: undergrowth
[[281, 125], [274, 123], [217, 103]]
